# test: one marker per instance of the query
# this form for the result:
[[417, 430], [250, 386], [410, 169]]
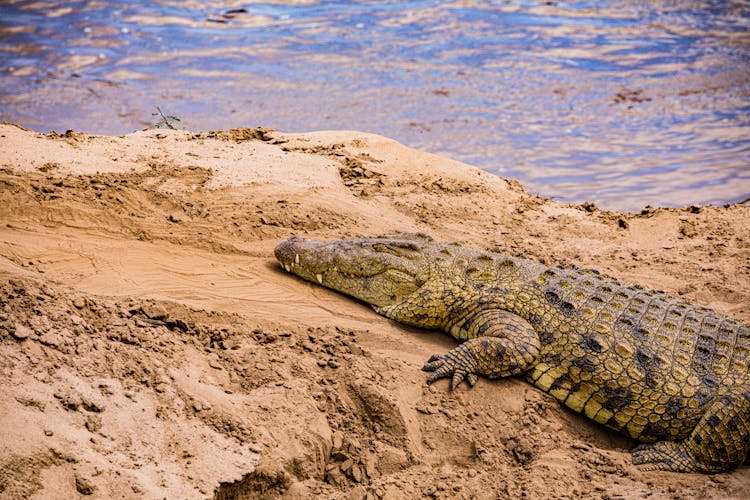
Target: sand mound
[[151, 346]]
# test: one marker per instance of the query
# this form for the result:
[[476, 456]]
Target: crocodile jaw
[[360, 268]]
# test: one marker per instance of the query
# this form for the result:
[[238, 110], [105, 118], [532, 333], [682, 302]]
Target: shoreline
[[149, 333]]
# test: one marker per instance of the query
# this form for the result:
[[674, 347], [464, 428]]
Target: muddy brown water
[[621, 103]]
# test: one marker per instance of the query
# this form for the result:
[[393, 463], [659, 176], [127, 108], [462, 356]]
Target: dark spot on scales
[[499, 349], [566, 307], [673, 406], [459, 309], [731, 425], [702, 360], [703, 397], [641, 333], [617, 398], [585, 365], [590, 343], [649, 365], [564, 382], [655, 430], [644, 358], [551, 296], [535, 319], [626, 320], [469, 322], [545, 337], [614, 423], [553, 359], [727, 399], [709, 380]]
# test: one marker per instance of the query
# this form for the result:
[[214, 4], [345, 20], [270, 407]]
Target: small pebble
[[308, 346], [154, 311], [21, 332], [84, 486]]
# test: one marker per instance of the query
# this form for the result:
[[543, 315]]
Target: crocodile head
[[381, 271], [407, 277]]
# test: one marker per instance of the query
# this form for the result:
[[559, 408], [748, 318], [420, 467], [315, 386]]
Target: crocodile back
[[637, 360]]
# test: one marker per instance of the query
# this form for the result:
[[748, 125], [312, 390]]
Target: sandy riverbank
[[151, 347]]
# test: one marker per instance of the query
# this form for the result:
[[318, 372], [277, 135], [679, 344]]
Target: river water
[[622, 103]]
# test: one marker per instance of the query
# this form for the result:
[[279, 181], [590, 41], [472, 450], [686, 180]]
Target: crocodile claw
[[458, 368]]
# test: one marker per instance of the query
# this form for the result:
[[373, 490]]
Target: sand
[[151, 346]]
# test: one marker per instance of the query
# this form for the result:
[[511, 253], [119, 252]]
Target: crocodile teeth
[[296, 258], [286, 266], [320, 278]]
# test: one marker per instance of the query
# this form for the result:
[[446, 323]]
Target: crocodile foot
[[665, 456], [457, 364], [674, 456], [493, 357], [719, 442]]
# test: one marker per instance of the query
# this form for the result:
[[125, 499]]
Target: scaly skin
[[655, 368]]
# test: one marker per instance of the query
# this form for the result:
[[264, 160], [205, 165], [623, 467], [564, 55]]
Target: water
[[622, 103]]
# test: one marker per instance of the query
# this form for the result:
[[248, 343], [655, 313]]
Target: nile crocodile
[[658, 369]]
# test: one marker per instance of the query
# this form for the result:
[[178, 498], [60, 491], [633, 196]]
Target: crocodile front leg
[[719, 442], [500, 344]]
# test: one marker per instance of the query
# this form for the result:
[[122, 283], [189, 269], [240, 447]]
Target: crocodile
[[669, 374]]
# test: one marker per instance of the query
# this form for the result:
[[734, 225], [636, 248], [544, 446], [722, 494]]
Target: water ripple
[[620, 103]]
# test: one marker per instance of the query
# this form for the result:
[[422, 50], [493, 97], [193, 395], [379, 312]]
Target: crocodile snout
[[303, 256]]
